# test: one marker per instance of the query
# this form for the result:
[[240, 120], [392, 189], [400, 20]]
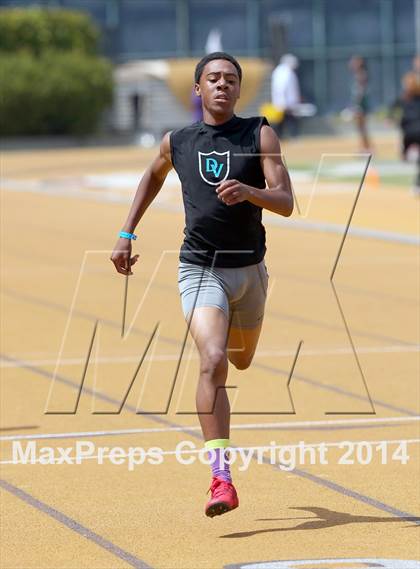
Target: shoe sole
[[218, 509]]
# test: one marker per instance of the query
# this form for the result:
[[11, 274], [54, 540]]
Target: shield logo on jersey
[[214, 166]]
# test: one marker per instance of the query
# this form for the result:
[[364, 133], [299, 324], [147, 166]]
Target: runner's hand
[[121, 257], [232, 192]]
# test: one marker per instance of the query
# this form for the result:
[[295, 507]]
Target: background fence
[[323, 33]]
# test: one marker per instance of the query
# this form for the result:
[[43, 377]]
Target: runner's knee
[[213, 362]]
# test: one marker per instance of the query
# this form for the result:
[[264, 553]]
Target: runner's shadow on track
[[324, 519]]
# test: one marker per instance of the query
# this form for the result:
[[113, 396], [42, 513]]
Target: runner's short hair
[[216, 55]]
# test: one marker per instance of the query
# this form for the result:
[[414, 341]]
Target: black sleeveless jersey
[[204, 156]]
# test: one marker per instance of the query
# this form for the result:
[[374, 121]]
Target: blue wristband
[[127, 235]]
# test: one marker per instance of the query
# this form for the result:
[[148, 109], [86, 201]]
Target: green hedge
[[58, 93], [36, 30]]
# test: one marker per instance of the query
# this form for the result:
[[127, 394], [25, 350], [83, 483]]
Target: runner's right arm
[[147, 190]]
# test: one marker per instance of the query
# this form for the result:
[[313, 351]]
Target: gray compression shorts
[[240, 292]]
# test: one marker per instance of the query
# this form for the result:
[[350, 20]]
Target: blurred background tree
[[51, 79]]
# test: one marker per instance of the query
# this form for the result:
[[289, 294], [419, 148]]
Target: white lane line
[[178, 452], [256, 426], [39, 186], [302, 224], [398, 348], [326, 227]]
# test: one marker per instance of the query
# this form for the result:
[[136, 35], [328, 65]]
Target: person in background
[[416, 66], [360, 99], [408, 107], [285, 94]]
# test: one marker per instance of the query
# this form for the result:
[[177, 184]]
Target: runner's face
[[219, 87]]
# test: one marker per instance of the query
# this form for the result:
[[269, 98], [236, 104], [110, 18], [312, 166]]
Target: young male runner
[[230, 168]]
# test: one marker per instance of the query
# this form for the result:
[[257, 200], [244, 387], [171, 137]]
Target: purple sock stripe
[[219, 465]]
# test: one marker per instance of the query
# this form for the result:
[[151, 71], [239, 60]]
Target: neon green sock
[[217, 443], [219, 458]]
